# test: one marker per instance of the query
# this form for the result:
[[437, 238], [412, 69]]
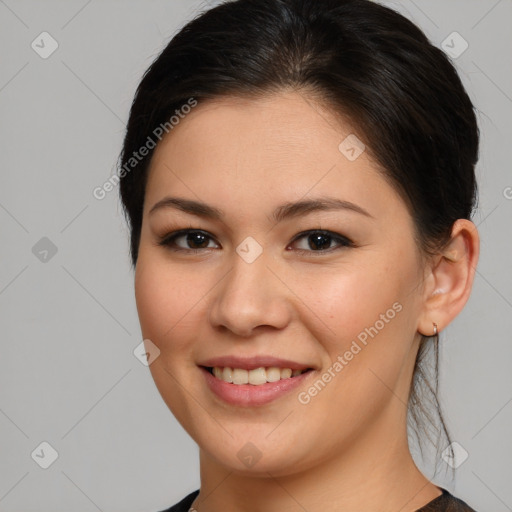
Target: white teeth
[[255, 377], [240, 376], [286, 373], [273, 374], [227, 374]]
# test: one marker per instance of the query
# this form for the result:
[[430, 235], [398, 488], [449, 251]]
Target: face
[[334, 289]]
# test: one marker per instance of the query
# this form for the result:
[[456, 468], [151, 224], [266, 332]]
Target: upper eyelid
[[183, 232], [323, 231], [342, 240]]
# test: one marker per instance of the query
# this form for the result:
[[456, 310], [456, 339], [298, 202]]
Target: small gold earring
[[435, 329]]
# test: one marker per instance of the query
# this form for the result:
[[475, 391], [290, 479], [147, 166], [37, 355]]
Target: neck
[[375, 472]]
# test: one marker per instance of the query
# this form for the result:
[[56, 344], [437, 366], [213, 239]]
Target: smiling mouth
[[256, 377]]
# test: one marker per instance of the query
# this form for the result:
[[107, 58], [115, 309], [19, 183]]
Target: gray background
[[68, 375]]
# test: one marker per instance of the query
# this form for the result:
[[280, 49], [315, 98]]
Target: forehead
[[286, 123], [279, 147]]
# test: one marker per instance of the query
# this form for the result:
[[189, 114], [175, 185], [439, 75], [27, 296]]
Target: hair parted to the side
[[365, 62]]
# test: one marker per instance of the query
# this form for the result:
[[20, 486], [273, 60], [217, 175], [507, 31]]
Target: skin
[[347, 448]]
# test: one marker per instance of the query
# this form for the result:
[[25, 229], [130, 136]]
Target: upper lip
[[250, 363]]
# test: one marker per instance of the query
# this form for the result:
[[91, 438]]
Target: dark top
[[443, 503]]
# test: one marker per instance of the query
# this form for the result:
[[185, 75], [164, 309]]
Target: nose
[[250, 296]]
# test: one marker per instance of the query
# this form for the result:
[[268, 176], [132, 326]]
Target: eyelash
[[344, 242]]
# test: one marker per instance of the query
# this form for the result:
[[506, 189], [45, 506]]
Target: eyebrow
[[282, 212]]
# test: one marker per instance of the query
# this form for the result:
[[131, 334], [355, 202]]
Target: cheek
[[361, 320], [342, 303], [165, 299], [362, 315]]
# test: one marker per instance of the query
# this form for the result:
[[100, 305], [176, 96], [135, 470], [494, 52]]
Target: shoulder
[[446, 503], [184, 504]]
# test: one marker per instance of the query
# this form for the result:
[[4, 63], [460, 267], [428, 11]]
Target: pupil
[[317, 241], [197, 239]]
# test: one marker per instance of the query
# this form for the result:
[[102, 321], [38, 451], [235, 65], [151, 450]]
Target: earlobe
[[451, 278]]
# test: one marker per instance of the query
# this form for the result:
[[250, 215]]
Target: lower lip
[[249, 395]]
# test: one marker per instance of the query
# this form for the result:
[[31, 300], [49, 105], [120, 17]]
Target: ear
[[448, 284]]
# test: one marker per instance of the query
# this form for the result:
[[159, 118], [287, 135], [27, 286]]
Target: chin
[[256, 455]]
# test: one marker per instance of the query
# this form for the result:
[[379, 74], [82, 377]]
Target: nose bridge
[[249, 272], [249, 295]]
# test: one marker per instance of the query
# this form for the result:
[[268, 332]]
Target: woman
[[298, 176]]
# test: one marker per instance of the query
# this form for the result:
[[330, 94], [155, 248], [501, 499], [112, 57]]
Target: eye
[[195, 240], [320, 241]]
